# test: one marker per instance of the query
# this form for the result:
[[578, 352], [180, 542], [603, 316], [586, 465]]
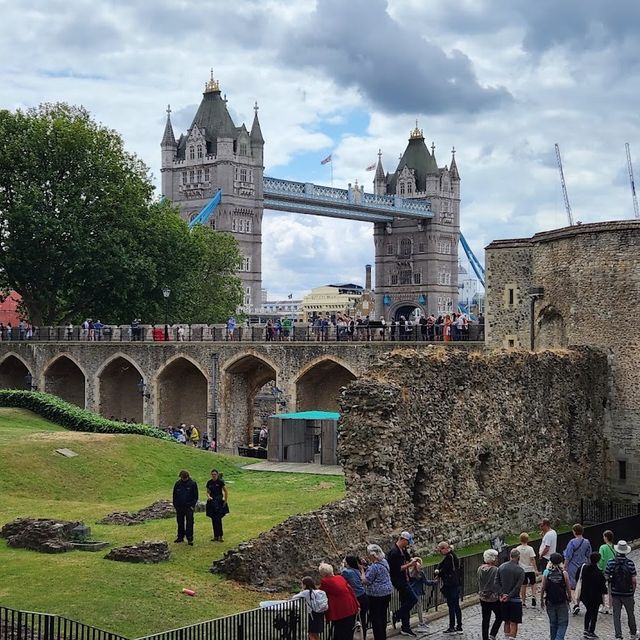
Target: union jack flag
[[326, 160]]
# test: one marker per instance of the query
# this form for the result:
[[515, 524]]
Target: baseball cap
[[407, 536]]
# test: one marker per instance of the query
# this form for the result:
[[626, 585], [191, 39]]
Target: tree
[[80, 234]]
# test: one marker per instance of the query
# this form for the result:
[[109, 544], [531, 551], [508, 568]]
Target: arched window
[[243, 148], [405, 247], [184, 177], [199, 175], [207, 175], [192, 176], [199, 151], [402, 188], [192, 153]]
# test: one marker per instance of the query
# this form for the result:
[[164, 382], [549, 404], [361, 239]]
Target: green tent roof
[[308, 415]]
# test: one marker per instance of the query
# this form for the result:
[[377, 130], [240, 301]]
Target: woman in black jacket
[[448, 572], [594, 587]]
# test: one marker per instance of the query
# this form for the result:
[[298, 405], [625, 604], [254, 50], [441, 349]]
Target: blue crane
[[208, 210], [473, 261]]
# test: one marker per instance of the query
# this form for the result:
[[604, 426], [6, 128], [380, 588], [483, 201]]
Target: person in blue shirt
[[352, 572]]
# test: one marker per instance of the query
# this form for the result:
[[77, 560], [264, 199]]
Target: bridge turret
[[168, 148], [257, 141], [380, 180]]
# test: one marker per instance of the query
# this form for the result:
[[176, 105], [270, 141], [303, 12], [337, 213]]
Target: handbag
[[579, 584]]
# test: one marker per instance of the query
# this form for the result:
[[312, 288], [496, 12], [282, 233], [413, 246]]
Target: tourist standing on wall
[[399, 564], [593, 588], [185, 498], [528, 564], [549, 542], [351, 571], [489, 594], [231, 327], [377, 581], [509, 581], [607, 552], [555, 594], [575, 555], [448, 572], [621, 576], [317, 604], [217, 507], [343, 604]]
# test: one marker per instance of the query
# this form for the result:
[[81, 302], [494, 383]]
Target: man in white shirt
[[548, 544]]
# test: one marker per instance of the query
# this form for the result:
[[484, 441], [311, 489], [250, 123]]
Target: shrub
[[71, 416]]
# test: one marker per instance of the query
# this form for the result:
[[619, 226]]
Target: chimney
[[367, 278]]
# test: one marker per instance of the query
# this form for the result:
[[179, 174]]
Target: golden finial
[[212, 85], [417, 133]]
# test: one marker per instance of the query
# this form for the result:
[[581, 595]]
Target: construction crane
[[567, 206], [633, 185], [473, 261]]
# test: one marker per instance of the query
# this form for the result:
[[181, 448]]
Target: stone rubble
[[145, 552], [449, 445], [159, 510], [40, 534]]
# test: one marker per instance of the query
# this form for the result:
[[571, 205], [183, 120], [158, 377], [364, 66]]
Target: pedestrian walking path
[[535, 623], [297, 467]]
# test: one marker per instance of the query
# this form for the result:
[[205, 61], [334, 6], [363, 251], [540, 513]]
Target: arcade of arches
[[119, 390], [181, 394]]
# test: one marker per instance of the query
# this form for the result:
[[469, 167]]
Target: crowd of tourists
[[22, 331], [191, 436], [357, 596]]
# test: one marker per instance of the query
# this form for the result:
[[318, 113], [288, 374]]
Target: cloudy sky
[[501, 80]]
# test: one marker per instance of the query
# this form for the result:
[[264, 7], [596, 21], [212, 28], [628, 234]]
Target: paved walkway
[[535, 623], [297, 467]]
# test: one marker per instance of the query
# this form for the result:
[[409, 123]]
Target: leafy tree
[[81, 236]]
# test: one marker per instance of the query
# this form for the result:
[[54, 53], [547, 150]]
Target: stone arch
[[15, 373], [119, 392], [65, 378], [318, 384], [401, 309], [242, 378], [182, 392], [551, 330]]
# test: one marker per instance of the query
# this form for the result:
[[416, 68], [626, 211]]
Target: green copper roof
[[308, 415]]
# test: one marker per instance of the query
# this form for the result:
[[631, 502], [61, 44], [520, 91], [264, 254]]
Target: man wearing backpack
[[620, 573], [555, 595]]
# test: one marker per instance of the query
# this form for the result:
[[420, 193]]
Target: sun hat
[[407, 536], [622, 547]]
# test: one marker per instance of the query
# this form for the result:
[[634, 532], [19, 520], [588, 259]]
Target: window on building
[[235, 173], [243, 175], [394, 278], [184, 177], [622, 470], [207, 175], [444, 277], [405, 247], [405, 277], [199, 151], [248, 226], [243, 148], [389, 249], [417, 278], [234, 224], [511, 297], [247, 264], [444, 246], [402, 188], [192, 153], [421, 247], [199, 175], [192, 176], [511, 343], [213, 224]]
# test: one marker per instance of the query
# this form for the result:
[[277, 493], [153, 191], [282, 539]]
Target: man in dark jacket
[[399, 564], [185, 498]]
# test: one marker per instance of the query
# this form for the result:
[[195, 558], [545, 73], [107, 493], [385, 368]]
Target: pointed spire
[[168, 139], [379, 177], [256, 133], [453, 169]]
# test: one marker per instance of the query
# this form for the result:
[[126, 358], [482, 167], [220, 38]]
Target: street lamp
[[166, 292], [142, 389]]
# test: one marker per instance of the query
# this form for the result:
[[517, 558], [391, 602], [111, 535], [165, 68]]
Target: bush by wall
[[71, 416]]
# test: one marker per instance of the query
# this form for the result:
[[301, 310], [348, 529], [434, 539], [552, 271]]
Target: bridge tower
[[216, 154], [417, 261]]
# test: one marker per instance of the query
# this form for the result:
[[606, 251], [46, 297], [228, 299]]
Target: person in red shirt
[[343, 604]]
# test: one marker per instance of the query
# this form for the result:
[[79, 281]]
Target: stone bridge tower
[[216, 154], [416, 262]]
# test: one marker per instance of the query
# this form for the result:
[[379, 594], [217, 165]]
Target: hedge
[[71, 416]]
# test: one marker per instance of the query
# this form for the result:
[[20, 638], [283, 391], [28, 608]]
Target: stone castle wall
[[591, 279], [450, 445]]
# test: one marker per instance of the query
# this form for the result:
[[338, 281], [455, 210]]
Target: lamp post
[[166, 292], [142, 389]]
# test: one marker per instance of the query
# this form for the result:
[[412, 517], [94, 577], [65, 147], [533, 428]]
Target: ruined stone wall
[[591, 279], [450, 445]]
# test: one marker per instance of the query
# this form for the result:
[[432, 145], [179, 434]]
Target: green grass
[[127, 472]]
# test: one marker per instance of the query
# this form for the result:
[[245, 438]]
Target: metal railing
[[253, 333], [29, 625], [595, 511]]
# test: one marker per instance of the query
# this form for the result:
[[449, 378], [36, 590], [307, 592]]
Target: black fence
[[595, 511], [286, 620], [253, 333], [27, 625]]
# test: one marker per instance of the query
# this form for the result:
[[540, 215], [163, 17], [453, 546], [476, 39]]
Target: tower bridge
[[214, 385], [214, 172]]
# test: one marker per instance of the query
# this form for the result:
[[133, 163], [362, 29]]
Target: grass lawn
[[127, 472]]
